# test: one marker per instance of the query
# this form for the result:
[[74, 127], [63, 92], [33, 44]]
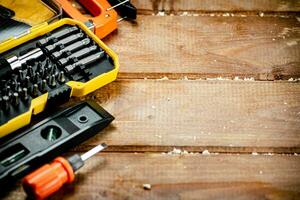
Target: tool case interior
[[51, 63]]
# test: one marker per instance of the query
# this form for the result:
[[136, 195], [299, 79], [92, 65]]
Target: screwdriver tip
[[104, 145]]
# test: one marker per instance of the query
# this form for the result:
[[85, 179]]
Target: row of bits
[[30, 81], [71, 50]]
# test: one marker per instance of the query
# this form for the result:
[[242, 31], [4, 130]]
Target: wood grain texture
[[198, 47], [173, 6], [222, 116], [122, 175]]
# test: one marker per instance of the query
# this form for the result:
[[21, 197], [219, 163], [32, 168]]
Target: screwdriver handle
[[48, 179]]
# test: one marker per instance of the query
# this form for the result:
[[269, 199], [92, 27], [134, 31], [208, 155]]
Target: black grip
[[5, 67]]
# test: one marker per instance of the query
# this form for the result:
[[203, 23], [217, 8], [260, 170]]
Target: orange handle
[[48, 179], [105, 21]]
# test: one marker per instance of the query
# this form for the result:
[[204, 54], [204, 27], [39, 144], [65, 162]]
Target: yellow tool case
[[46, 65]]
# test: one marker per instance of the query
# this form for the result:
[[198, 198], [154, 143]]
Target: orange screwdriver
[[49, 178]]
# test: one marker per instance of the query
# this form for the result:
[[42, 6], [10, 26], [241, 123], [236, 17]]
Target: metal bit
[[71, 48], [25, 94], [15, 99], [21, 75], [77, 55], [36, 77], [30, 71], [43, 86], [39, 66], [61, 77], [85, 62], [7, 90], [26, 81], [35, 90], [5, 103], [52, 81]]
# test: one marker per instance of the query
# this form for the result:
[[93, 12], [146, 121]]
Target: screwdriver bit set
[[46, 67]]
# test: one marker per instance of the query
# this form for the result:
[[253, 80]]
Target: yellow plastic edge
[[78, 88]]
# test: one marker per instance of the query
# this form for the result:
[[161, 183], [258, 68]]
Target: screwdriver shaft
[[93, 151]]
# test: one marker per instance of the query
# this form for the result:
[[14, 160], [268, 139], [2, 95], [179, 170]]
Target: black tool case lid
[[18, 16]]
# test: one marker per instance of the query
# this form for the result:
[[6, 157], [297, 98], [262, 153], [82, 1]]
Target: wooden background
[[217, 78]]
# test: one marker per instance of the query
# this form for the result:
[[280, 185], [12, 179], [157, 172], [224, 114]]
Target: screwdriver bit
[[61, 77], [60, 45], [35, 90], [25, 94], [77, 55], [43, 84], [71, 48], [5, 103], [15, 99], [52, 81], [84, 62], [54, 37]]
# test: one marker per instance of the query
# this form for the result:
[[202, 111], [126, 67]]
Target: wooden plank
[[265, 48], [221, 116], [122, 175], [217, 5]]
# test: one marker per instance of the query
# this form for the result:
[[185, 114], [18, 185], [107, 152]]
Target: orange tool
[[103, 19], [48, 179]]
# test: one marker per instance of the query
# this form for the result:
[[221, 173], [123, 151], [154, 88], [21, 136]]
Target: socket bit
[[77, 55], [71, 48], [62, 43], [56, 35], [14, 62]]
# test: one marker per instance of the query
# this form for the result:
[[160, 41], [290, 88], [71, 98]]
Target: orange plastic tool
[[104, 20], [48, 179]]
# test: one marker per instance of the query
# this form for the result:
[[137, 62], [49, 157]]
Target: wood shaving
[[205, 152], [179, 152], [184, 14], [261, 14], [298, 19], [161, 13], [163, 79], [147, 186], [249, 79], [159, 136], [218, 78], [292, 43], [268, 154], [185, 78], [294, 79], [254, 153]]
